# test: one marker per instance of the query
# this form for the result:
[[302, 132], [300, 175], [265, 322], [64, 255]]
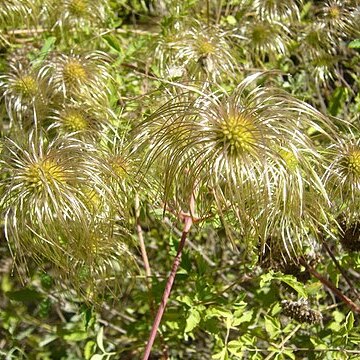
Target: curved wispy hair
[[96, 259], [343, 176], [44, 182], [340, 20], [279, 10], [317, 51], [77, 75], [246, 150], [121, 162], [202, 51], [26, 93], [265, 38], [78, 14], [85, 119], [13, 11]]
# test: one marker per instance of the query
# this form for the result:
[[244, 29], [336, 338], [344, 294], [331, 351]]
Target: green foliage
[[114, 114]]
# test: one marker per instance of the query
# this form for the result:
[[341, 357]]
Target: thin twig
[[281, 345], [168, 287], [342, 271], [354, 307]]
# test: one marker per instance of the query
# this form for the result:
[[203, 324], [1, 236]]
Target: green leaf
[[337, 100], [222, 355], [24, 295], [48, 46], [100, 339], [97, 357], [245, 317], [235, 348], [75, 336], [89, 349], [355, 44], [349, 322], [292, 282], [272, 327], [266, 278], [192, 320], [113, 42]]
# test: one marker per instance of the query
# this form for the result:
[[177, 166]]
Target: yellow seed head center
[[205, 48], [74, 120], [27, 86], [261, 34], [74, 72], [45, 172], [354, 162], [78, 7], [238, 132], [334, 12]]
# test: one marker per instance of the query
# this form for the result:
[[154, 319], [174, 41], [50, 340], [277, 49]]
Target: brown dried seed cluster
[[301, 311], [350, 236]]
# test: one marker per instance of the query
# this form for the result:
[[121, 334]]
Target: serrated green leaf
[[266, 278], [292, 282]]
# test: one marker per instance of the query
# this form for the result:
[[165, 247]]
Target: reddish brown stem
[[354, 307], [168, 287]]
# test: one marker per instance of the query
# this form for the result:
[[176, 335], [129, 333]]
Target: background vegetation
[[122, 119]]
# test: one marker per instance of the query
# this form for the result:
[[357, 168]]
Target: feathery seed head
[[251, 148], [199, 49], [26, 92], [78, 8], [75, 75], [343, 177]]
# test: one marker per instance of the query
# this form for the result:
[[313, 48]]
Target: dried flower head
[[26, 93], [343, 177], [86, 119], [60, 207], [339, 17], [265, 39], [78, 14], [279, 10], [250, 150], [301, 311], [13, 10], [350, 235], [204, 51], [81, 75]]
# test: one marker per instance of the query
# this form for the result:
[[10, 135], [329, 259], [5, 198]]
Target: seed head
[[251, 151], [301, 311]]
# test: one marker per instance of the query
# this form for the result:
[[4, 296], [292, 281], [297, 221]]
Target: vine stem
[[354, 307], [187, 225]]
